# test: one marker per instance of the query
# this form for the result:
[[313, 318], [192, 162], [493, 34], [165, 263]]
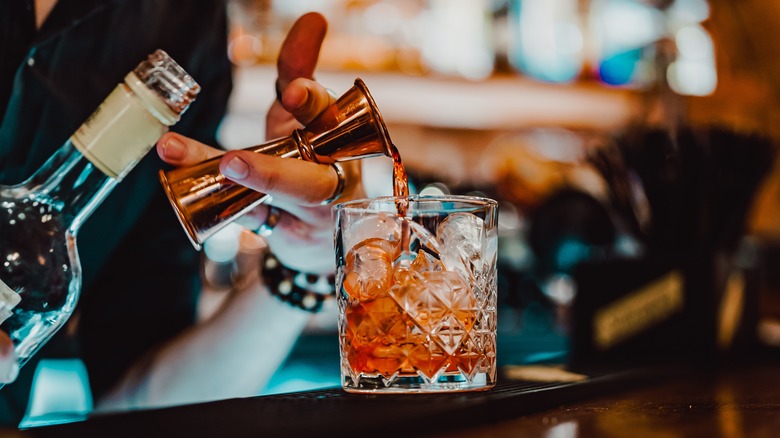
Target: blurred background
[[550, 107], [517, 100]]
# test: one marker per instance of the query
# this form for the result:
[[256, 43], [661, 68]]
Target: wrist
[[299, 289]]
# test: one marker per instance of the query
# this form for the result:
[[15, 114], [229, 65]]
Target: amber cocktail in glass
[[417, 293]]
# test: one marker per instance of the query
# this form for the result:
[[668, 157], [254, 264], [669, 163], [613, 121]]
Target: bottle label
[[9, 298], [639, 310], [119, 133]]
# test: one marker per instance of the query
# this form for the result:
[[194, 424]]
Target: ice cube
[[461, 236], [369, 269], [381, 225], [425, 262], [425, 237]]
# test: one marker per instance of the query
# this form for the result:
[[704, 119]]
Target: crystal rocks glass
[[417, 293]]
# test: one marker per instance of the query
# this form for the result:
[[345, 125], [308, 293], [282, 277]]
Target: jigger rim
[[184, 220], [385, 133]]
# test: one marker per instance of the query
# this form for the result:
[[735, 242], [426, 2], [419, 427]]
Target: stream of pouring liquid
[[401, 194]]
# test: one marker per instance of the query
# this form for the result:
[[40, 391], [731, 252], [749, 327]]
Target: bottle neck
[[72, 184], [121, 130], [100, 153]]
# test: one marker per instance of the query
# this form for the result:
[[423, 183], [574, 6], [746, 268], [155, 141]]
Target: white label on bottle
[[118, 134], [9, 298]]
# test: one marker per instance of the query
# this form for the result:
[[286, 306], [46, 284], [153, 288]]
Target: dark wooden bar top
[[735, 400]]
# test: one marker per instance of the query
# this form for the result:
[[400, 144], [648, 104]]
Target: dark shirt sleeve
[[145, 294]]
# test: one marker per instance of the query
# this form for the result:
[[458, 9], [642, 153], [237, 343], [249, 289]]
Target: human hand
[[300, 99], [303, 236], [9, 365]]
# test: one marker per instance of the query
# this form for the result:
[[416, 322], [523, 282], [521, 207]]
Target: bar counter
[[736, 400]]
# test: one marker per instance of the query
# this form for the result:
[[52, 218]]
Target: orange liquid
[[400, 182], [401, 194], [385, 337]]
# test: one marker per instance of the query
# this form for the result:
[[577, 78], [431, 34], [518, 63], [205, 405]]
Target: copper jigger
[[205, 201]]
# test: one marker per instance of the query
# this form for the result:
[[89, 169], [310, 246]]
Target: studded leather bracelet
[[299, 289]]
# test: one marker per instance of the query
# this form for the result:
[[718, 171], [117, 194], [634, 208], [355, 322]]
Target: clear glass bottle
[[40, 273]]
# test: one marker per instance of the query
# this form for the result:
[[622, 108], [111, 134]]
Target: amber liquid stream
[[401, 195], [400, 182]]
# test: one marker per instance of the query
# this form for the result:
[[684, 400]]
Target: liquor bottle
[[40, 273]]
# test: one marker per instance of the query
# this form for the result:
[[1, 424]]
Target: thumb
[[301, 49]]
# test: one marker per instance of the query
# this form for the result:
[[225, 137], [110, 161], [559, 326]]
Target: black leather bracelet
[[299, 289]]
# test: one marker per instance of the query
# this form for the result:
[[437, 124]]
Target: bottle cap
[[174, 85]]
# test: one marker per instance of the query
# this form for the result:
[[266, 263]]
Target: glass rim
[[476, 201]]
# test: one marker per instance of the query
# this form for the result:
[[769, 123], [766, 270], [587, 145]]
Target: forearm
[[234, 354]]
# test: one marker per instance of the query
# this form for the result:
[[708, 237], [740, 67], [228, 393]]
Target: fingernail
[[173, 149], [236, 169], [9, 366], [6, 349]]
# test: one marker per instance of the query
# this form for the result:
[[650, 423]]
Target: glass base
[[415, 384]]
